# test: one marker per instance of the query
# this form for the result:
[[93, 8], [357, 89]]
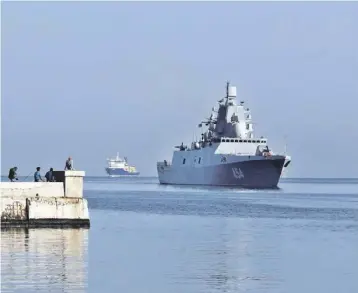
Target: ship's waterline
[[254, 173], [113, 172]]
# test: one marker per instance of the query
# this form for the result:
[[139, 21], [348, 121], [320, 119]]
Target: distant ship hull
[[255, 172], [117, 172]]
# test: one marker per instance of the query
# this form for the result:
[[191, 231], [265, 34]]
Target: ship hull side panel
[[263, 173]]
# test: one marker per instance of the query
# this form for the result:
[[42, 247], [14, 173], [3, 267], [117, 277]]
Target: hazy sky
[[88, 79]]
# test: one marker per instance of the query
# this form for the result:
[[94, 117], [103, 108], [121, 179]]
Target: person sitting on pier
[[12, 174], [69, 164], [37, 175], [49, 176]]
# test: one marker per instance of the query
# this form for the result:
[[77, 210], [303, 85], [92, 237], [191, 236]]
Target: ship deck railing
[[164, 163]]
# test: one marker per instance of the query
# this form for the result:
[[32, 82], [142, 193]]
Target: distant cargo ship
[[117, 167]]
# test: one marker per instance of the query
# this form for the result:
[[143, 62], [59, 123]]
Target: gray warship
[[227, 154]]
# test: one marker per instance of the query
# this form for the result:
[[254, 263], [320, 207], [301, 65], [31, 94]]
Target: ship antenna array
[[227, 91]]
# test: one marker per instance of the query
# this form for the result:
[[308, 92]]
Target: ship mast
[[285, 151]]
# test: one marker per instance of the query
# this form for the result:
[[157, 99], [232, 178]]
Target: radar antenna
[[227, 92]]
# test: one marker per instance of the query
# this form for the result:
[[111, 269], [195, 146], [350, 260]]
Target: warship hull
[[227, 153], [253, 174]]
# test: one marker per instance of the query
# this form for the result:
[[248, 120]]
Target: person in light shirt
[[37, 175], [69, 164]]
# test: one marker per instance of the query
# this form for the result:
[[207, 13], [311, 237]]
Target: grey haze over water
[[89, 79]]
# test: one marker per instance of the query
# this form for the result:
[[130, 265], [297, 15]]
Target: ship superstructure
[[227, 154], [117, 167]]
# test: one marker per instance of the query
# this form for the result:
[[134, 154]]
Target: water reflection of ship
[[232, 258], [232, 265], [44, 258]]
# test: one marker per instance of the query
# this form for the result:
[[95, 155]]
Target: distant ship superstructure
[[117, 167], [227, 154]]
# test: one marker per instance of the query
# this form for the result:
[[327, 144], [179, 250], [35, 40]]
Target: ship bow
[[251, 173]]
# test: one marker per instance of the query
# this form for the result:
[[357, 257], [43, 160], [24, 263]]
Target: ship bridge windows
[[242, 140]]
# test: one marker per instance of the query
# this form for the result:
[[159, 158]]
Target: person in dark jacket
[[12, 174], [49, 176]]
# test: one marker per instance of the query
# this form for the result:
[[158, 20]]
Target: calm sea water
[[150, 238]]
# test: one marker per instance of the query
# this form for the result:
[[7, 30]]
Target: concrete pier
[[45, 204]]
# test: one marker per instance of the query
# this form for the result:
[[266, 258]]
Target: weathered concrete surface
[[45, 204], [30, 189], [44, 212], [58, 208], [72, 182], [13, 208]]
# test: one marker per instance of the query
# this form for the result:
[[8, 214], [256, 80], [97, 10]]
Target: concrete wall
[[69, 184], [13, 208], [72, 181], [45, 203], [29, 189], [58, 208]]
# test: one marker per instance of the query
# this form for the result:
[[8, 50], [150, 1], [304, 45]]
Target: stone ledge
[[30, 189], [44, 211], [45, 204], [74, 173], [69, 173], [45, 223], [57, 208]]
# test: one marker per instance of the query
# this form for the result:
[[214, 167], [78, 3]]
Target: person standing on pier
[[69, 164], [37, 175], [12, 174], [49, 176]]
